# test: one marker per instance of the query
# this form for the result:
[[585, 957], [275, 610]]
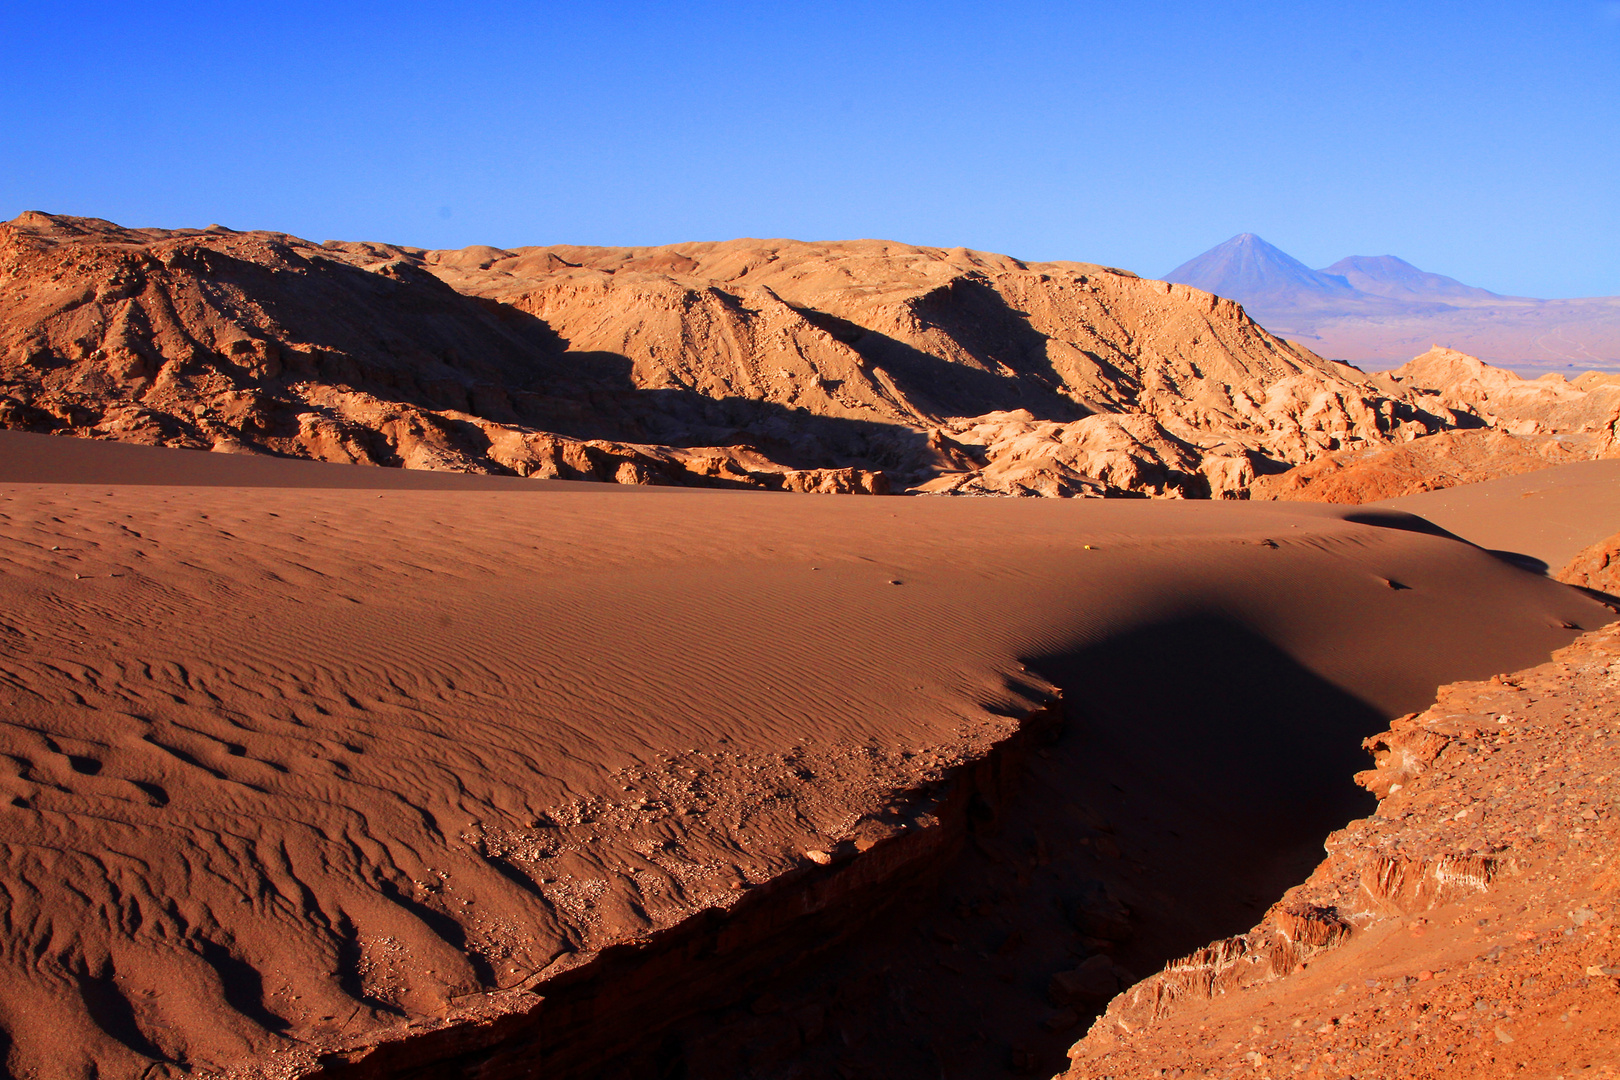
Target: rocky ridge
[[1596, 567], [864, 366], [1527, 424], [1465, 928]]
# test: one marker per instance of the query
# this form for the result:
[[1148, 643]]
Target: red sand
[[296, 768], [1548, 515]]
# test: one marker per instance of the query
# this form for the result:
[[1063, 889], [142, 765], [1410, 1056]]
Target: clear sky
[[1476, 139]]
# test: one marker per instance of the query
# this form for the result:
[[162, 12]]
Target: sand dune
[[1547, 516], [293, 771]]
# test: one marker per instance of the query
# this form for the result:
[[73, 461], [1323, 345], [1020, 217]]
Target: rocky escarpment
[[851, 367], [1465, 928], [1530, 425]]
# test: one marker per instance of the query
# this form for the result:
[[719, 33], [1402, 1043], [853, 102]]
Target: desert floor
[[304, 760]]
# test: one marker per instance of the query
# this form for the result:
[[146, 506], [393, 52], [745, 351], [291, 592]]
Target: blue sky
[[1480, 140]]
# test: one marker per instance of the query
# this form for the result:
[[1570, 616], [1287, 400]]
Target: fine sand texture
[[1547, 516], [295, 771]]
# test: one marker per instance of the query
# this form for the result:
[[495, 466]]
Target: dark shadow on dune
[[1198, 771], [113, 1013], [450, 931], [1399, 519], [1218, 724], [1402, 521], [242, 986], [1611, 601], [1523, 562]]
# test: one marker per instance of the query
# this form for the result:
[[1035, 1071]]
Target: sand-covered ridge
[[290, 772], [1546, 516]]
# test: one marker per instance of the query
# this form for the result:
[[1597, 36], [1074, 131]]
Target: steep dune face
[[832, 367]]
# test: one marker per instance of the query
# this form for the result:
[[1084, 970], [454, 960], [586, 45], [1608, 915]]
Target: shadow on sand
[[1198, 771]]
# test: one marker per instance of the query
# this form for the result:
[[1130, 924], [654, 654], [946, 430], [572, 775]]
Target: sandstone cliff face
[[864, 366]]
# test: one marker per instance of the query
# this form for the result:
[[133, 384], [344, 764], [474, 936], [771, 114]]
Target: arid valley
[[776, 659]]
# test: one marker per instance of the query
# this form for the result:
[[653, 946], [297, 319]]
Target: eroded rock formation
[[1596, 567], [1524, 425], [863, 366]]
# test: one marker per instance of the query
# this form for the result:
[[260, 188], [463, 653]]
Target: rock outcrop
[[863, 366], [1544, 406], [1522, 425], [1444, 460], [1464, 929], [1596, 567]]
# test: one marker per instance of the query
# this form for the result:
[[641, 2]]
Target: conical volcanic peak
[[1246, 268], [1377, 310]]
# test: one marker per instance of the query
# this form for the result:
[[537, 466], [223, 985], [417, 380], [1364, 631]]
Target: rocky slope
[[1531, 424], [860, 366], [1466, 928], [1596, 567]]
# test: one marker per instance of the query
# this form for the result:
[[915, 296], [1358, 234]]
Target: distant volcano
[[1247, 269], [1378, 309], [1385, 275]]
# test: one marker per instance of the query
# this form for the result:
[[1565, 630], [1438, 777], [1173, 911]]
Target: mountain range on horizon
[[1379, 310]]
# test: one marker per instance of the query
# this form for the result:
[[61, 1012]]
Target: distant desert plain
[[1378, 310], [782, 659]]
